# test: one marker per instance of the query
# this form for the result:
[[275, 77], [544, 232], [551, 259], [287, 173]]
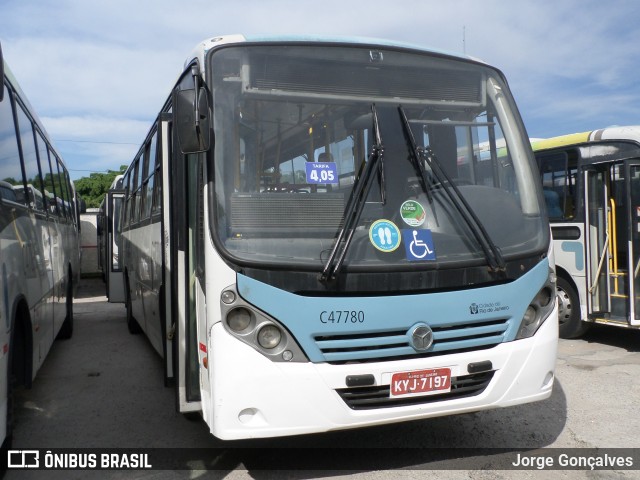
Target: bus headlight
[[529, 316], [269, 337], [250, 325], [544, 297], [228, 297], [539, 309], [239, 319]]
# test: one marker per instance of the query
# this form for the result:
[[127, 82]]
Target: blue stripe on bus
[[464, 319]]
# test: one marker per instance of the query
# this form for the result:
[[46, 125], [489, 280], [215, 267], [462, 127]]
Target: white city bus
[[312, 241], [591, 182], [39, 248]]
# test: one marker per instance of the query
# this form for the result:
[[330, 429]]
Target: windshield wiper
[[492, 253], [416, 155], [355, 205]]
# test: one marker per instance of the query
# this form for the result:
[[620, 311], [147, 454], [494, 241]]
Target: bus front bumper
[[253, 397]]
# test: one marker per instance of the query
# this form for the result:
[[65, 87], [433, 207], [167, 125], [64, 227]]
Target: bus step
[[619, 280]]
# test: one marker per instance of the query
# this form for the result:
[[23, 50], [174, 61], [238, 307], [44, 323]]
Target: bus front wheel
[[571, 325]]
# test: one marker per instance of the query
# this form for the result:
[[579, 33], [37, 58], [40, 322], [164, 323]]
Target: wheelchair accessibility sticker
[[384, 235], [419, 245]]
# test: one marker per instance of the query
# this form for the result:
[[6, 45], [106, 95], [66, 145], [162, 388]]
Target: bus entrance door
[[612, 219], [113, 266], [597, 250], [181, 203], [633, 219]]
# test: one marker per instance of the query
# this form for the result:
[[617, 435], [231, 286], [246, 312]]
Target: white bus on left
[[39, 248]]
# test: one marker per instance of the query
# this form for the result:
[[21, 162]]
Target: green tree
[[93, 188]]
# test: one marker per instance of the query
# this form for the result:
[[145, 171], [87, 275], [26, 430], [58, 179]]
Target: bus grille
[[394, 345], [366, 398]]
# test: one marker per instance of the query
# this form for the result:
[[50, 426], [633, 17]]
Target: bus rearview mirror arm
[[192, 117]]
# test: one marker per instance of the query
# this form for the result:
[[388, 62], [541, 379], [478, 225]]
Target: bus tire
[[132, 323], [570, 323], [66, 331]]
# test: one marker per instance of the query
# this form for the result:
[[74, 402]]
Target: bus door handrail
[[603, 255], [612, 230], [610, 241]]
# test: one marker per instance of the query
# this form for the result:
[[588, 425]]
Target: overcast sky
[[98, 71]]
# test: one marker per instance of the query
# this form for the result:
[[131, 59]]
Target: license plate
[[421, 382]]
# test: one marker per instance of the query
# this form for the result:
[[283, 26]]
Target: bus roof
[[203, 47], [629, 133]]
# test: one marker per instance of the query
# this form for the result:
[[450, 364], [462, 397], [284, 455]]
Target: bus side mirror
[[192, 120]]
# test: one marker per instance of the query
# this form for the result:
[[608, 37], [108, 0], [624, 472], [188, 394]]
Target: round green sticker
[[412, 213]]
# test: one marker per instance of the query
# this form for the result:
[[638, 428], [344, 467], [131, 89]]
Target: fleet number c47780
[[342, 316]]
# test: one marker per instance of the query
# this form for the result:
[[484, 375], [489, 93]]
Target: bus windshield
[[294, 131]]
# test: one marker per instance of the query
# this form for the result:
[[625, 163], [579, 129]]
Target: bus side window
[[142, 199], [10, 169], [157, 183], [135, 194], [50, 187], [127, 201], [30, 160], [43, 161], [61, 191], [559, 185], [150, 155], [70, 199]]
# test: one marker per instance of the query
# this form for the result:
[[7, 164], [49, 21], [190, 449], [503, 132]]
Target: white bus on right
[[591, 185]]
